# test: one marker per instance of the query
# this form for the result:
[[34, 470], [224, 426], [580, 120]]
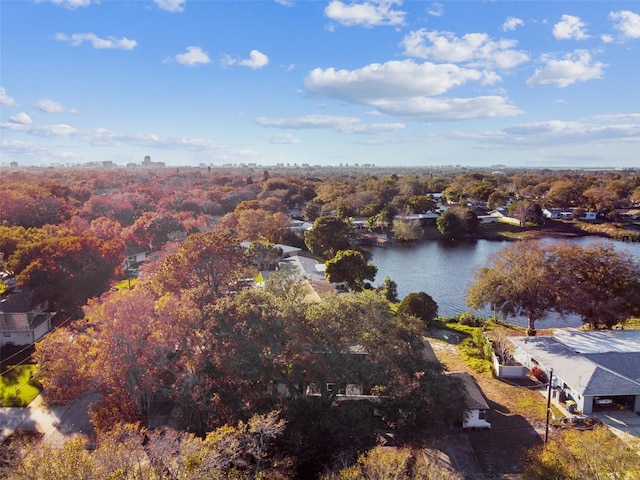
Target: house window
[[482, 414]]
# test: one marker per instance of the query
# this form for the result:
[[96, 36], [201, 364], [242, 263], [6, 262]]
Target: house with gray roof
[[477, 406], [598, 370], [20, 324]]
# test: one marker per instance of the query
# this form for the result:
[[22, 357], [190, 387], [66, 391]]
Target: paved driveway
[[624, 423], [56, 423]]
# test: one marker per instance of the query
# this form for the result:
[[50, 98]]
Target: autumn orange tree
[[66, 269]]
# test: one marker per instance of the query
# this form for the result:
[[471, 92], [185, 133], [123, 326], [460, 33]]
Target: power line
[[18, 352]]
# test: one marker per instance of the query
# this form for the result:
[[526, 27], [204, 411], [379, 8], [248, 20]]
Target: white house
[[298, 227], [477, 406], [19, 323], [595, 369], [568, 214]]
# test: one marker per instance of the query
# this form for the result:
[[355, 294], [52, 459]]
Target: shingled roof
[[590, 374], [475, 398]]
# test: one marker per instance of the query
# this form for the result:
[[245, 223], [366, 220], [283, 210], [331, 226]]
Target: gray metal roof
[[599, 341], [585, 375]]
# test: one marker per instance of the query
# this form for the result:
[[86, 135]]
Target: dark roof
[[475, 398], [18, 301]]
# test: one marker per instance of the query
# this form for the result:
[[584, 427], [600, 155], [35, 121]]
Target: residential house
[[568, 214], [19, 323], [595, 369], [477, 406], [428, 218], [629, 213], [134, 258], [298, 227]]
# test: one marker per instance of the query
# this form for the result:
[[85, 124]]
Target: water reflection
[[445, 269]]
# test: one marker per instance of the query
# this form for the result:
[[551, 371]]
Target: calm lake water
[[444, 270]]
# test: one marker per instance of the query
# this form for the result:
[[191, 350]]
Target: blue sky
[[389, 83]]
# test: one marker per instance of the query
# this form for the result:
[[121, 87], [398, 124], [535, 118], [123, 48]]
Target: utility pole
[[546, 431]]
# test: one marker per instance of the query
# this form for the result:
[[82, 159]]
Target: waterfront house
[[477, 406], [597, 370]]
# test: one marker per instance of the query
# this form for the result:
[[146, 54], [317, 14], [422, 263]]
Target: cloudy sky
[[386, 82]]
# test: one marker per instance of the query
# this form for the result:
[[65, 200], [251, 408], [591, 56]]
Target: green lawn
[[16, 387], [126, 284]]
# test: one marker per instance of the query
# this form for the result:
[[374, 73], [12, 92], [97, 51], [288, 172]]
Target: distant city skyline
[[542, 84]]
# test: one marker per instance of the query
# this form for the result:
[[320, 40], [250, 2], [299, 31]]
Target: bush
[[539, 374], [468, 318]]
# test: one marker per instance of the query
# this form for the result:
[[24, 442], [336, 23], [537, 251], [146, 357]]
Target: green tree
[[264, 254], [517, 282], [457, 222], [407, 230], [421, 203], [355, 338], [420, 305], [351, 267], [598, 283], [389, 290], [328, 235], [526, 211], [311, 211], [496, 199]]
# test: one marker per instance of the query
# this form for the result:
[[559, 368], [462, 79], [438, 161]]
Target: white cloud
[[104, 137], [403, 88], [308, 121], [38, 152], [51, 106], [626, 22], [6, 100], [192, 57], [436, 9], [476, 49], [570, 27], [285, 3], [574, 67], [173, 6], [73, 4], [256, 60], [606, 38], [511, 23], [21, 118], [399, 79], [617, 117], [285, 138], [78, 39], [367, 14], [445, 109], [58, 130], [561, 132], [373, 128], [341, 124]]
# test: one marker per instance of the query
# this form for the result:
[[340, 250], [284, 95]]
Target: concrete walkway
[[57, 424]]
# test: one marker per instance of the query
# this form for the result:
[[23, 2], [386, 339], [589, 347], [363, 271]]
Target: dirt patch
[[517, 416]]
